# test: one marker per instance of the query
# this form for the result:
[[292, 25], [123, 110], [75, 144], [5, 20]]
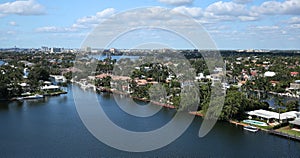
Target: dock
[[196, 113], [292, 137], [238, 123]]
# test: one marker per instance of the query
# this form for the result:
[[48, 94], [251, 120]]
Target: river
[[51, 127]]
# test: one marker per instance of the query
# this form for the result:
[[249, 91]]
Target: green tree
[[104, 82], [10, 78], [292, 105], [39, 73]]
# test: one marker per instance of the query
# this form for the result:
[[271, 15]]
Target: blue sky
[[232, 24]]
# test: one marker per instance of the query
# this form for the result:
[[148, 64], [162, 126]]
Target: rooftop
[[295, 122], [270, 114], [50, 87]]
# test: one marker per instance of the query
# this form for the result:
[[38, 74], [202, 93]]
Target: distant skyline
[[232, 24]]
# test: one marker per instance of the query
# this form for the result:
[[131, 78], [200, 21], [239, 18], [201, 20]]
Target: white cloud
[[13, 23], [294, 20], [295, 26], [264, 28], [289, 7], [213, 18], [81, 23], [242, 1], [25, 7], [50, 29], [230, 11], [263, 31], [10, 32], [227, 8], [218, 12], [100, 16], [218, 28], [248, 18], [177, 2], [194, 12]]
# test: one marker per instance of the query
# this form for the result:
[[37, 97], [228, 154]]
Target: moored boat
[[36, 96], [251, 128], [20, 98]]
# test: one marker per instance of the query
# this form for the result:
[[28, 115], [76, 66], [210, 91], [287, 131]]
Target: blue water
[[1, 62], [272, 101], [51, 127]]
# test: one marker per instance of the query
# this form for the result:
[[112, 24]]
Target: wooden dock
[[238, 123], [196, 113], [284, 135]]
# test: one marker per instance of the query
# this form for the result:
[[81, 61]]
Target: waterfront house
[[271, 117], [113, 77], [295, 124], [25, 87], [58, 79], [50, 89]]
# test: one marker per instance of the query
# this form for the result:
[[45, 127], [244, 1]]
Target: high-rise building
[[56, 50]]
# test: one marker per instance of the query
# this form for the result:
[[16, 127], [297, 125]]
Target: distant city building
[[56, 50], [88, 49], [45, 49], [112, 50]]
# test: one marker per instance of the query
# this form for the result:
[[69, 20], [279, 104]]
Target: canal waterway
[[51, 127]]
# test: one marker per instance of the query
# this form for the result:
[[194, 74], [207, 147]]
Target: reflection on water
[[6, 105], [31, 103]]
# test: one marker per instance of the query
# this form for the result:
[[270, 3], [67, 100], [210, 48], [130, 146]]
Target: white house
[[269, 74], [271, 116], [58, 79]]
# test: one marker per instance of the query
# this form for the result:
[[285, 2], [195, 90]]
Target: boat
[[19, 98], [36, 96], [251, 128]]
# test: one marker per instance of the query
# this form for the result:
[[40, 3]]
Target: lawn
[[288, 131]]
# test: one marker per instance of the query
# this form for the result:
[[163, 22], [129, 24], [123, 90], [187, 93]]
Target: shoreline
[[44, 95], [198, 114], [195, 113]]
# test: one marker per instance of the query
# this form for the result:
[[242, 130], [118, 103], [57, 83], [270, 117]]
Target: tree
[[104, 82], [39, 73], [292, 105], [10, 77], [36, 75], [232, 105], [189, 100]]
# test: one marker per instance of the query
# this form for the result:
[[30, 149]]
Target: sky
[[231, 24]]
